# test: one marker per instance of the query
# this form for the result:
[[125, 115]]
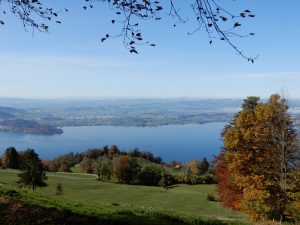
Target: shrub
[[209, 179], [194, 179], [59, 189], [150, 175], [211, 197], [12, 193]]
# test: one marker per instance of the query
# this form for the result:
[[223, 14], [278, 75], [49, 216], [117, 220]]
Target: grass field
[[82, 193]]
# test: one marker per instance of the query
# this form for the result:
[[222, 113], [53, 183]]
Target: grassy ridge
[[82, 194]]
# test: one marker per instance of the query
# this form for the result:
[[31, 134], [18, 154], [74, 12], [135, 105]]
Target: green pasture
[[82, 193]]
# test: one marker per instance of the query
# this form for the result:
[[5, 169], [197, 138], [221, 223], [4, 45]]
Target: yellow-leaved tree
[[259, 150]]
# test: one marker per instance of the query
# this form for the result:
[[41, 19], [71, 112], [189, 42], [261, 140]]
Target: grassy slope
[[83, 194]]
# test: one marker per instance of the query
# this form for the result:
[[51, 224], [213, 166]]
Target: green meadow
[[83, 194]]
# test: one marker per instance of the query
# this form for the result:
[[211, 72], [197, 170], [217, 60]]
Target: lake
[[172, 142]]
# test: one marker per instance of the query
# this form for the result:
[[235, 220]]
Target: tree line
[[132, 170], [110, 163], [65, 162]]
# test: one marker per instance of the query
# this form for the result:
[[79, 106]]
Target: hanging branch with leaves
[[209, 15], [31, 13]]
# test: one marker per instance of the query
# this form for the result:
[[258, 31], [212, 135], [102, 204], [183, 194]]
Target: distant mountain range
[[10, 112], [44, 116], [4, 115], [13, 119], [28, 126]]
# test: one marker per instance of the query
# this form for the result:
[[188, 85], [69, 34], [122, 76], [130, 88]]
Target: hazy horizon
[[80, 98]]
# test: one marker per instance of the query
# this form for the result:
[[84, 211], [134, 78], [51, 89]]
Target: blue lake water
[[172, 142]]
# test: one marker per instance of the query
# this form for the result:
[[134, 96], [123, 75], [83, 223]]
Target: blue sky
[[70, 61]]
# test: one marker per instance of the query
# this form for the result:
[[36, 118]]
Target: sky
[[71, 62]]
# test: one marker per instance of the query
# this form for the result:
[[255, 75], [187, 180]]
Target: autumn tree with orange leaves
[[254, 168]]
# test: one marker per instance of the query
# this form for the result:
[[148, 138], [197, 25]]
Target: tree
[[86, 165], [150, 174], [94, 153], [33, 175], [132, 170], [113, 150], [204, 166], [208, 15], [254, 166], [293, 209], [192, 168], [230, 194], [196, 167], [250, 103], [148, 156], [103, 168], [135, 153], [119, 165], [10, 158]]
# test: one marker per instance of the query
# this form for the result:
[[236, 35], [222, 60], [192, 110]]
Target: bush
[[150, 175], [194, 179], [59, 189], [12, 193], [166, 180], [209, 179], [211, 197]]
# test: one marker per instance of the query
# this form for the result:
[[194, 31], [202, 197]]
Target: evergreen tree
[[10, 158], [204, 166], [33, 175]]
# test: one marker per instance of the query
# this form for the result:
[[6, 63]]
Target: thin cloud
[[17, 61], [270, 75]]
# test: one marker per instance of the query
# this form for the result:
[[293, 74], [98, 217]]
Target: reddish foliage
[[229, 195]]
